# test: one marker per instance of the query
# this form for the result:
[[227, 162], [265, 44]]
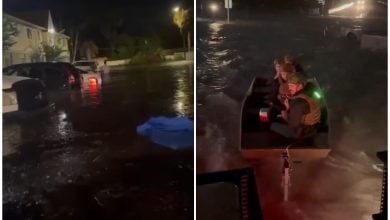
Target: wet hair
[[296, 78], [288, 67], [278, 61], [289, 59]]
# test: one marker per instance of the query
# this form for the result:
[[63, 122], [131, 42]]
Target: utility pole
[[75, 46], [228, 6]]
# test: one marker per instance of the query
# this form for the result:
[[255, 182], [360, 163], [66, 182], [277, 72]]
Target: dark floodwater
[[355, 86], [85, 160]]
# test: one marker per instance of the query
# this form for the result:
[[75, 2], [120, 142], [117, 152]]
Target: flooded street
[[345, 185], [85, 160]]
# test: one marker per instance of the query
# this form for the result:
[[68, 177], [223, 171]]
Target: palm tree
[[180, 19], [53, 53]]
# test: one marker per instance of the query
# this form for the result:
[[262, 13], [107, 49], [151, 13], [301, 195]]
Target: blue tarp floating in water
[[174, 133]]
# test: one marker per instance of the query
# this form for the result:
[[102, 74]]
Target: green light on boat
[[317, 94]]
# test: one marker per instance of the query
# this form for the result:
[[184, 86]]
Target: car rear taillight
[[92, 80]]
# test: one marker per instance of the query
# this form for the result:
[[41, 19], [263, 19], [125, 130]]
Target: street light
[[176, 9], [213, 7]]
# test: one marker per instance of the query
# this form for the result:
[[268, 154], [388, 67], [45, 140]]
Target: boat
[[229, 194], [257, 141]]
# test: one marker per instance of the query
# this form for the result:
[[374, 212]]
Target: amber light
[[92, 81]]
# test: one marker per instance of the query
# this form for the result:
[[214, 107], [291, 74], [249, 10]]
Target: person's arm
[[280, 80], [285, 108], [276, 75]]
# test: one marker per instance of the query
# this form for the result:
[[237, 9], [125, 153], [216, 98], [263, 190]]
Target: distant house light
[[51, 30]]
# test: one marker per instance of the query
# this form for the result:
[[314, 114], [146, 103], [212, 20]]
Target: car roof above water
[[85, 62], [33, 64]]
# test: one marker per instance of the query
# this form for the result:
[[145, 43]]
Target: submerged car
[[90, 78], [258, 141], [54, 75], [86, 65], [23, 95]]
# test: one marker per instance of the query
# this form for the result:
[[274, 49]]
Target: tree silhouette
[[9, 31], [180, 19], [88, 49]]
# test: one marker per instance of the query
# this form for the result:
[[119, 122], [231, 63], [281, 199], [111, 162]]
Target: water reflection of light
[[180, 106], [183, 94], [215, 27], [62, 123], [214, 33], [94, 93]]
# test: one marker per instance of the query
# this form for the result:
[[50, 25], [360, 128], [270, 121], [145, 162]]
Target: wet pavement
[[346, 184], [84, 160]]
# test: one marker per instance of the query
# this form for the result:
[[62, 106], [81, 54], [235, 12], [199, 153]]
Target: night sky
[[138, 18]]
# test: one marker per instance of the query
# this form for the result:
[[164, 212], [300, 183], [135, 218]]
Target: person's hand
[[277, 75], [286, 104]]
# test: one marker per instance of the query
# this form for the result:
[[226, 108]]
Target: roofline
[[60, 34], [25, 22], [33, 25], [63, 35]]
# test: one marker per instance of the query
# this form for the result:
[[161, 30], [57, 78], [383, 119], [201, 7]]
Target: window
[[10, 71], [39, 35], [18, 71], [29, 35]]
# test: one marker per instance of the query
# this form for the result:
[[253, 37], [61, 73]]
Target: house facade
[[31, 37]]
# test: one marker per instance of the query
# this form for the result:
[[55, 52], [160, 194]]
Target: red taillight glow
[[92, 81], [263, 116]]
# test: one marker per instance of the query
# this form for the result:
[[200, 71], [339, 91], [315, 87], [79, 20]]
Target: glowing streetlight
[[176, 9], [213, 7]]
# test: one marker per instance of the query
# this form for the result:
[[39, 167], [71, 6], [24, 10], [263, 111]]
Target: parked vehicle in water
[[86, 65], [54, 75], [23, 95], [354, 30], [90, 78], [258, 141]]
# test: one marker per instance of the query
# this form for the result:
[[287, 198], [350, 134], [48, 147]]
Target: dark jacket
[[294, 127]]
